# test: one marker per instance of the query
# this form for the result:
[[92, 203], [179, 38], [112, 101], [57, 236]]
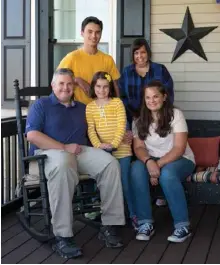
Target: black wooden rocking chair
[[34, 187]]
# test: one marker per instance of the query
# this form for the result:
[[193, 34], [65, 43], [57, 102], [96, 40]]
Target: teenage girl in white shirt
[[164, 157]]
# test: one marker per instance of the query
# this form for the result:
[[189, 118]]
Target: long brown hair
[[102, 75], [165, 114]]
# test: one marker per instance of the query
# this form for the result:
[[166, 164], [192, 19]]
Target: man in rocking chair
[[56, 126]]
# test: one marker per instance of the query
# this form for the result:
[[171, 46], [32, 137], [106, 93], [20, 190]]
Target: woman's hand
[[159, 163], [153, 168], [154, 181], [154, 172]]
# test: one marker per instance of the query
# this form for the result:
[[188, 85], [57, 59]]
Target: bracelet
[[149, 158]]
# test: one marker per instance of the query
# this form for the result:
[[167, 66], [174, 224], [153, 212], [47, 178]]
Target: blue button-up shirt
[[131, 84], [64, 124]]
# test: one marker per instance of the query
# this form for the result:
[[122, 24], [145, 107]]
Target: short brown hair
[[137, 44], [94, 20]]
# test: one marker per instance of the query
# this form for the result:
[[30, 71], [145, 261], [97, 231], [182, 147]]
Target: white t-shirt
[[159, 146]]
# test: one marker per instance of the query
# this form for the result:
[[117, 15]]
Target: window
[[68, 16]]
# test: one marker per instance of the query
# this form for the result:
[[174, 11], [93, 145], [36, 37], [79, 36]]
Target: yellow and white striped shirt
[[107, 124]]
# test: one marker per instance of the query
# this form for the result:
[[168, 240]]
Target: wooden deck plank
[[18, 240], [21, 252], [16, 229], [90, 249], [213, 256], [81, 239], [8, 221], [38, 255], [158, 244], [19, 247], [15, 242], [133, 250], [45, 251], [11, 232], [107, 255], [198, 249], [175, 252], [56, 259]]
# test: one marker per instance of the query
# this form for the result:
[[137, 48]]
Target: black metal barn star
[[188, 37]]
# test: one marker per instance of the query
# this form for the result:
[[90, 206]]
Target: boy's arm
[[67, 63]]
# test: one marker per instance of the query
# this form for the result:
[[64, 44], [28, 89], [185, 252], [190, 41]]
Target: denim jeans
[[125, 164], [170, 180]]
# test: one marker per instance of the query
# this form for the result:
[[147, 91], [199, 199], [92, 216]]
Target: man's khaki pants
[[62, 170]]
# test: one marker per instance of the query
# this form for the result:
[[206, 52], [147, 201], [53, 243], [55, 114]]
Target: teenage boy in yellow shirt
[[87, 60]]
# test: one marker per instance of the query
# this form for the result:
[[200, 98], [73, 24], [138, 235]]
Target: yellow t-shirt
[[107, 124], [85, 65]]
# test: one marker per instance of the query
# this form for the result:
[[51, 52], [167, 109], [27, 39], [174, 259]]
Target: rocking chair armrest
[[34, 158]]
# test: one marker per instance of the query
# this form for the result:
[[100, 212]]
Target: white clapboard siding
[[196, 81], [202, 67], [198, 106], [163, 38], [178, 18], [196, 87], [181, 9], [207, 77], [156, 28], [170, 47], [186, 57], [181, 2], [202, 115], [193, 67], [197, 96]]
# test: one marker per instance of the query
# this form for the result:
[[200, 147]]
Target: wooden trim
[[148, 21]]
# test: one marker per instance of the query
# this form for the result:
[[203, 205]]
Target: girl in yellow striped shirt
[[106, 120]]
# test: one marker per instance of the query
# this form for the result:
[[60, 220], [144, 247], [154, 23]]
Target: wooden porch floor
[[202, 247]]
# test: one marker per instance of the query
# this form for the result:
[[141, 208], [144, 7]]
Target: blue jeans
[[125, 164], [170, 180]]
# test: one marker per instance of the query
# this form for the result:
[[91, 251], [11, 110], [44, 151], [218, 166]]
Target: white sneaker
[[180, 235], [145, 232], [161, 202]]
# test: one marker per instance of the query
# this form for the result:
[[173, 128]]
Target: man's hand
[[153, 169], [105, 146], [128, 137], [82, 84], [73, 148]]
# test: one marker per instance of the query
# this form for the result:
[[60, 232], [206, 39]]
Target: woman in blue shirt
[[138, 74]]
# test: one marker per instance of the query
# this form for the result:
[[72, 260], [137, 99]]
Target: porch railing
[[10, 161]]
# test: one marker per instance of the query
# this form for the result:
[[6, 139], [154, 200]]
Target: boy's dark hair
[[91, 19], [102, 75], [137, 44]]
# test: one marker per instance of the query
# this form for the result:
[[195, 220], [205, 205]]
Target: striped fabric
[[210, 175], [107, 124]]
